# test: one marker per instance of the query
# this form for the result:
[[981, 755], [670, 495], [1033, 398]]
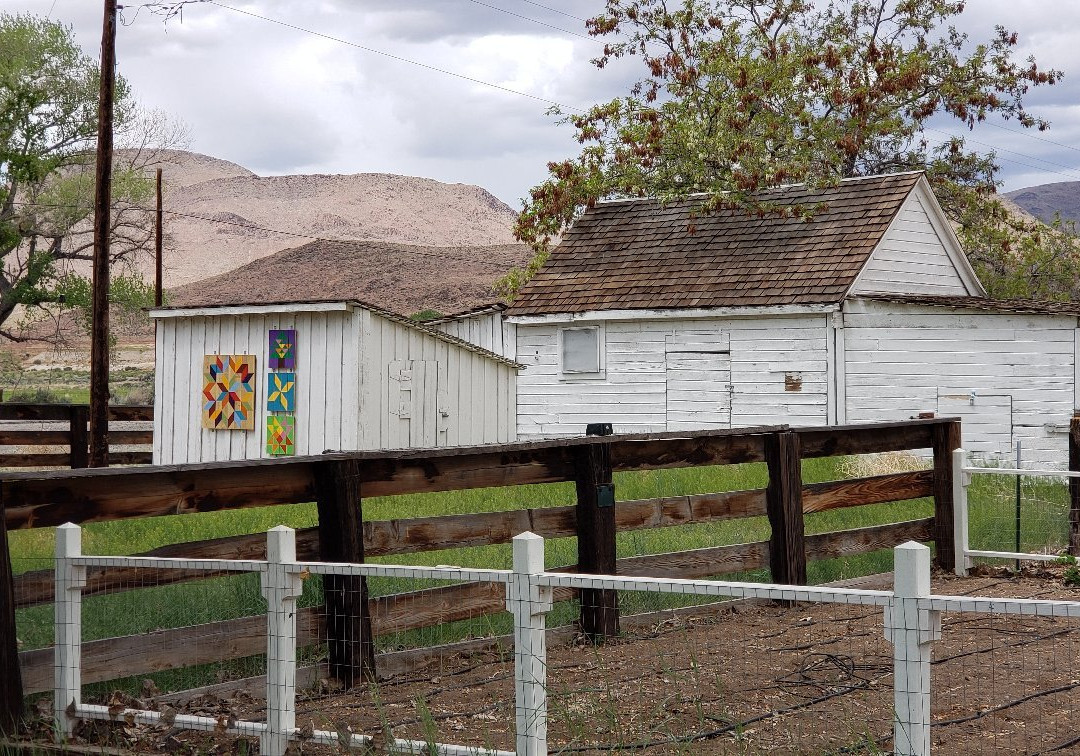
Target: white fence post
[[67, 651], [961, 544], [281, 589], [911, 630], [529, 602]]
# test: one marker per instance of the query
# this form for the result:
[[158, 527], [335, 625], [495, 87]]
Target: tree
[[48, 130], [740, 95]]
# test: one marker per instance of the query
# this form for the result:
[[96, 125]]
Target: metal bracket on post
[[911, 630], [281, 586], [529, 603], [67, 653], [605, 495]]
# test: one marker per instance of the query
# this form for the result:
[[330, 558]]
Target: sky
[[327, 86]]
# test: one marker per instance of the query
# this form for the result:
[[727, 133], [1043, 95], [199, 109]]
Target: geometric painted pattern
[[281, 435], [282, 349], [228, 397], [281, 392]]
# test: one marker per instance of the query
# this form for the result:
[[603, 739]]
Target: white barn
[[652, 318], [360, 378]]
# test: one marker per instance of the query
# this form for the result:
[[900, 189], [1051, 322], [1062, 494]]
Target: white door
[[987, 422], [411, 403], [698, 390]]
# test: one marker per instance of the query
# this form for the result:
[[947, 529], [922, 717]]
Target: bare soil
[[752, 678]]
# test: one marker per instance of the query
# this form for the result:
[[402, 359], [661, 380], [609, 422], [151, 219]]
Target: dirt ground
[[754, 678]]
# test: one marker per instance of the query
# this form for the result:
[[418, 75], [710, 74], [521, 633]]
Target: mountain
[[221, 216], [1045, 200], [400, 277]]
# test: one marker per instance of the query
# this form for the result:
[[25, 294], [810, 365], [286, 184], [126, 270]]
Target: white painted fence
[[962, 474], [912, 622]]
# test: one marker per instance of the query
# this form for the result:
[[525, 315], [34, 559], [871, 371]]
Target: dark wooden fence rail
[[338, 482], [76, 436]]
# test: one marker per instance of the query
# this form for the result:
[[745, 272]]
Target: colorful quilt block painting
[[281, 435], [228, 397], [281, 392], [282, 349]]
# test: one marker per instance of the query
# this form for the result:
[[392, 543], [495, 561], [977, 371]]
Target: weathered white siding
[[327, 375], [911, 258], [487, 329], [418, 390], [775, 371], [1009, 376], [364, 381]]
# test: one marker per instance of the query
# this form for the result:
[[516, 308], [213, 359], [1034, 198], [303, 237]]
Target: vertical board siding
[[488, 330], [901, 360], [911, 258], [631, 393]]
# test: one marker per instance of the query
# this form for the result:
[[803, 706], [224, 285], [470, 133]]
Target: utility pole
[[99, 333], [158, 244]]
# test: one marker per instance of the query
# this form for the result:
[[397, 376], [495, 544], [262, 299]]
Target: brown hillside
[[400, 277]]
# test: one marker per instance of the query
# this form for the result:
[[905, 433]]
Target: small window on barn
[[580, 349]]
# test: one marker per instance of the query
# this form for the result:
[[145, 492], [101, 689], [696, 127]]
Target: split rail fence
[[338, 483], [68, 446], [912, 622]]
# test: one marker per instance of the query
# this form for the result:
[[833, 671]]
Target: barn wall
[[418, 390], [777, 369], [911, 258], [488, 330], [327, 347], [1009, 376]]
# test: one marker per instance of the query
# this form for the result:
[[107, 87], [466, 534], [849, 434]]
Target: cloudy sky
[[327, 86]]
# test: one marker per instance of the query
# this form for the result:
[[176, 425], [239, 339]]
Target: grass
[[138, 611]]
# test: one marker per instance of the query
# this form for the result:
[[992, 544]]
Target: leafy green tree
[[48, 133], [740, 95]]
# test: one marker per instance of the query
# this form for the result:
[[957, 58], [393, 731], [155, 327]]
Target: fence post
[[80, 437], [783, 499], [281, 588], [596, 534], [1074, 487], [945, 440], [911, 629], [961, 544], [529, 603], [11, 690], [67, 652], [341, 539]]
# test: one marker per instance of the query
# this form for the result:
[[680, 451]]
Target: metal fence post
[[960, 480], [281, 589], [911, 630], [529, 604], [67, 652]]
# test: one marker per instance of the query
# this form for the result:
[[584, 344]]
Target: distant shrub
[[425, 315]]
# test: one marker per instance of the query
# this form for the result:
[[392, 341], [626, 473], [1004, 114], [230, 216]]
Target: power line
[[1029, 135], [555, 10], [410, 249], [533, 20], [392, 56], [1074, 172]]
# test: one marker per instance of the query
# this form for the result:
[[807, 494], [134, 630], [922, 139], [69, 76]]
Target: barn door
[[411, 403], [698, 390], [987, 422]]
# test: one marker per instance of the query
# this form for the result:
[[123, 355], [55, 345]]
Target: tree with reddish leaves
[[742, 95]]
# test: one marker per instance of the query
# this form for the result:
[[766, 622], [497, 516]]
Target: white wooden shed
[[358, 377], [653, 318]]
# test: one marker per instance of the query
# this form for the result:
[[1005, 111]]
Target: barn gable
[[919, 254]]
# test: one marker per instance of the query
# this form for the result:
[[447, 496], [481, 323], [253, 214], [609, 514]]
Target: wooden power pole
[[99, 333], [158, 243]]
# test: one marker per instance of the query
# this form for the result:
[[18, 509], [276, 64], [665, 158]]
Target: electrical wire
[[532, 20]]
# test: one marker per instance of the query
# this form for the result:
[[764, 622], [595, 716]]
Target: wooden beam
[[946, 438], [11, 688], [820, 497], [783, 500], [35, 437], [844, 543], [35, 460], [80, 437], [844, 440], [341, 539], [62, 412], [1074, 487], [596, 535], [727, 449]]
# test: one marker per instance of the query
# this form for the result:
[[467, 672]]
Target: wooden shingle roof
[[640, 254]]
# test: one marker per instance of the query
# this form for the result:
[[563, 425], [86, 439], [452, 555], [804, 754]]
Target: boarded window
[[581, 350]]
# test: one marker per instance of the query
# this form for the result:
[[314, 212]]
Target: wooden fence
[[75, 437], [339, 482]]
